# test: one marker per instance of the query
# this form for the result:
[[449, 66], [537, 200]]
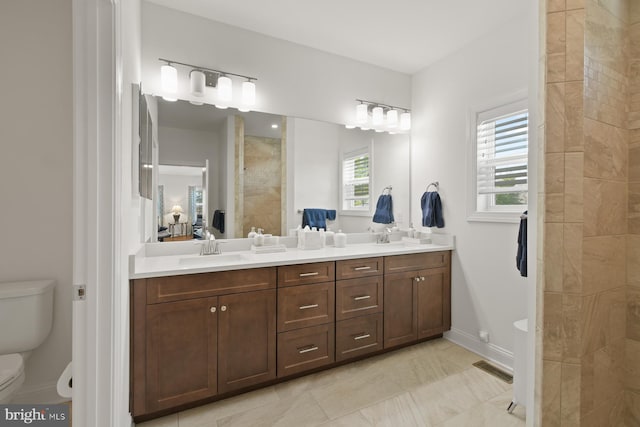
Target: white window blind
[[356, 180], [502, 158]]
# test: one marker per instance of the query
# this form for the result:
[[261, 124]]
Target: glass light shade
[[169, 79], [248, 94], [392, 118], [197, 82], [377, 116], [362, 114], [225, 91], [405, 121], [350, 126]]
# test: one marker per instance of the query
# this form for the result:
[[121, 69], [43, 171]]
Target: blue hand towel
[[521, 256], [317, 217], [432, 210], [384, 210]]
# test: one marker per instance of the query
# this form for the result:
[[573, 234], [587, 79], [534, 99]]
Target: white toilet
[[26, 315]]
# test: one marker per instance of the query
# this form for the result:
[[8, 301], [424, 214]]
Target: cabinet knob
[[417, 279], [213, 309], [223, 308], [422, 278]]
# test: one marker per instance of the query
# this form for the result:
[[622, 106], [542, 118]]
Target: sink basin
[[211, 259]]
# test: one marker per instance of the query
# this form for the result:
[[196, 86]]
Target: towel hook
[[435, 184]]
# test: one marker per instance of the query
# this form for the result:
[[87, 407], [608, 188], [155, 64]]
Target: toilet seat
[[11, 367]]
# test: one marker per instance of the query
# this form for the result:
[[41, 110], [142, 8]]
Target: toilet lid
[[11, 367]]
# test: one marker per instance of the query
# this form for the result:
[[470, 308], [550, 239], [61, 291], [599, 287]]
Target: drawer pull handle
[[366, 267], [305, 307], [315, 273], [360, 298], [308, 349], [361, 337]]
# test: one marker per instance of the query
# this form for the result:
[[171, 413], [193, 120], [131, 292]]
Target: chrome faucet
[[210, 246], [384, 237]]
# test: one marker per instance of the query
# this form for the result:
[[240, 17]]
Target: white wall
[[487, 290], [36, 168], [292, 80]]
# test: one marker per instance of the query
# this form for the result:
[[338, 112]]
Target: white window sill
[[503, 217]]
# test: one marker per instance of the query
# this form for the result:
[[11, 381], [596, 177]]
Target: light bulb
[[377, 116], [392, 118], [169, 82], [197, 82], [225, 91], [248, 94], [405, 120], [362, 114]]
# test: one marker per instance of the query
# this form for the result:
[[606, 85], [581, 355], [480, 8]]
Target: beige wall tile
[[634, 208], [606, 151], [573, 187], [575, 45], [555, 5], [632, 409], [571, 328], [603, 320], [617, 8], [574, 116], [634, 12], [553, 257], [556, 64], [554, 118], [633, 259], [605, 36], [631, 365], [607, 413], [572, 260], [575, 4], [603, 261], [605, 93], [634, 163], [554, 173], [570, 399], [605, 207], [552, 328], [608, 379], [556, 38], [554, 208], [551, 393], [633, 313]]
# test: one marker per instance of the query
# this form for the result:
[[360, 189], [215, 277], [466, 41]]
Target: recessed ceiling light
[[274, 126]]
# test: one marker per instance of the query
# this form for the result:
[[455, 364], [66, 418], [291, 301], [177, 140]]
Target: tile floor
[[429, 384]]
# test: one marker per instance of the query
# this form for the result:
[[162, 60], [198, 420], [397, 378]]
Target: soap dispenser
[[340, 239], [252, 233], [259, 238]]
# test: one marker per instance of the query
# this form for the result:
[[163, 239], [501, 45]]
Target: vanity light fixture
[[169, 82], [202, 77], [405, 120], [394, 118]]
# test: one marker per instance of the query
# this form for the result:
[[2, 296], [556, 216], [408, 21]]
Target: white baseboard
[[498, 355], [46, 393]]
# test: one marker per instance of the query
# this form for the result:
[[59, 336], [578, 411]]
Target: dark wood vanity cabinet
[[204, 340], [417, 300], [200, 337]]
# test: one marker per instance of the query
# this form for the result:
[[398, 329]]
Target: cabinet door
[[247, 339], [433, 302], [400, 308], [181, 352]]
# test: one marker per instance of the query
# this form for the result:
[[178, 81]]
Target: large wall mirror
[[229, 171]]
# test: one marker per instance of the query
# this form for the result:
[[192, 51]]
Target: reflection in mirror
[[265, 169]]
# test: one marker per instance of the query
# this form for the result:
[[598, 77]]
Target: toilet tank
[[26, 314]]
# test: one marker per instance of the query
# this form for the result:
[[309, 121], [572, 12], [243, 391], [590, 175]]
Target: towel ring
[[435, 184], [387, 189]]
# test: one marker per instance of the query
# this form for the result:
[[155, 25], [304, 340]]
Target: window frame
[[368, 149], [517, 101]]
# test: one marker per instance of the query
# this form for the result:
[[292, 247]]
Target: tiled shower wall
[[632, 359], [585, 207]]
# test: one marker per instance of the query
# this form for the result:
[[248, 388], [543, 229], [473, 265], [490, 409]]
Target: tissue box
[[312, 240]]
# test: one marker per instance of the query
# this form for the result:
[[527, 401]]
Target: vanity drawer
[[400, 263], [302, 274], [358, 336], [307, 305], [176, 288], [354, 268], [305, 349], [357, 297]]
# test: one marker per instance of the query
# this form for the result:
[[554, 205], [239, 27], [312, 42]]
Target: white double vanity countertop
[[177, 258]]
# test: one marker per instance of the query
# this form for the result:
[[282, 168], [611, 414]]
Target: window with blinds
[[356, 181], [502, 158]]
